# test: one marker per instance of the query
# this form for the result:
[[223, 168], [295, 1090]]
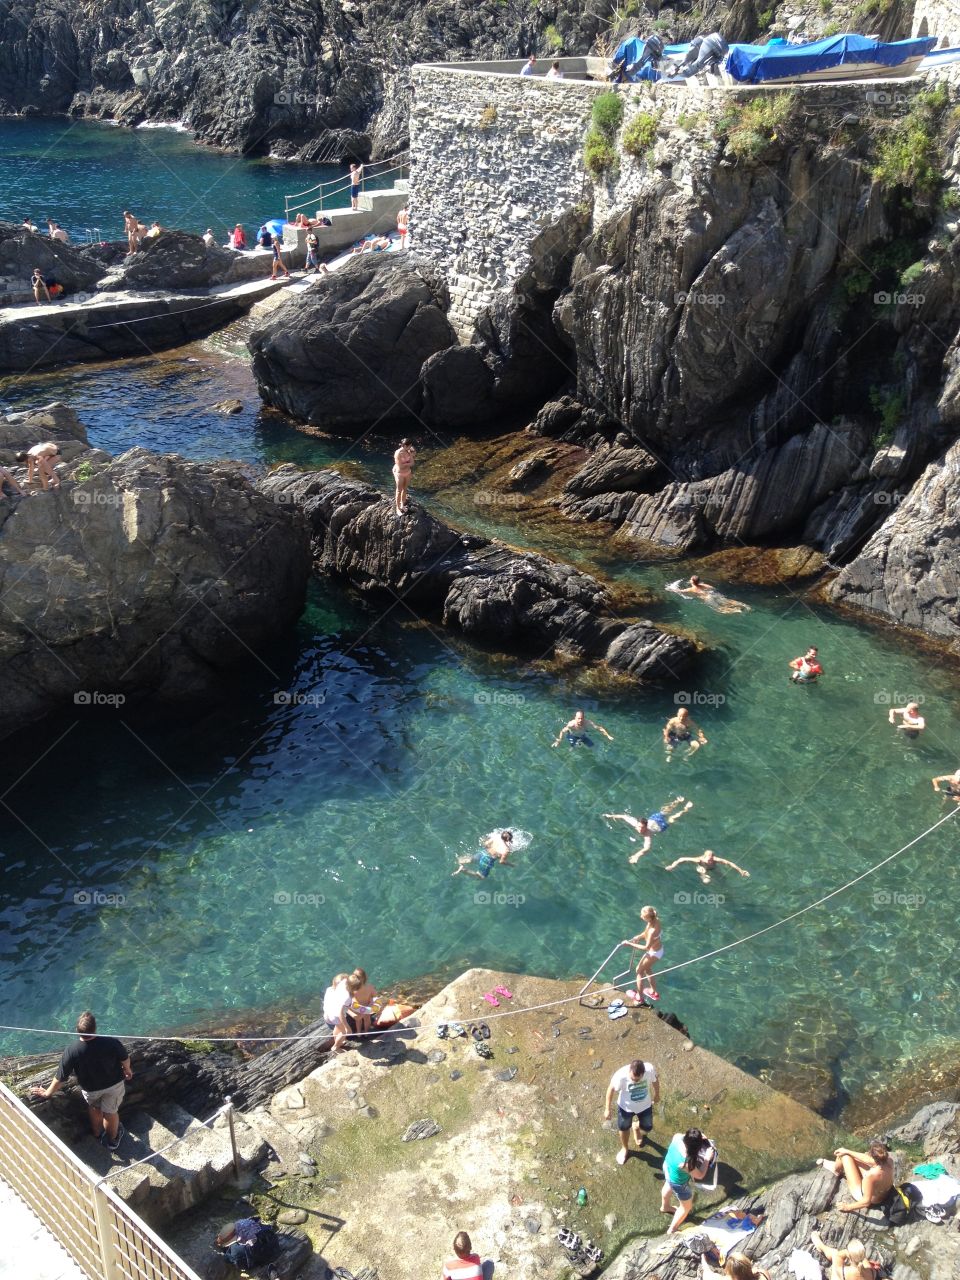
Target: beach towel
[[804, 1265]]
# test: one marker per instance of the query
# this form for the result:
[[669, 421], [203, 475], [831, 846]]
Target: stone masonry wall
[[493, 160], [939, 18]]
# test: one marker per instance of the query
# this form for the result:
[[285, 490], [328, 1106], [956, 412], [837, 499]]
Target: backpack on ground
[[701, 1246], [900, 1204]]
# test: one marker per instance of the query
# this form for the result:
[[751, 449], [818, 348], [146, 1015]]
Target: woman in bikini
[[403, 461], [650, 942]]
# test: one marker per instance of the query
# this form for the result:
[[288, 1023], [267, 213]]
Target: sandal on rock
[[491, 999], [614, 1014], [476, 1032], [484, 1030], [569, 1239], [502, 991], [457, 1029], [483, 1050], [442, 1030]]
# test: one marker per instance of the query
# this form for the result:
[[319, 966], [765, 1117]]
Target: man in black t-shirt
[[101, 1065]]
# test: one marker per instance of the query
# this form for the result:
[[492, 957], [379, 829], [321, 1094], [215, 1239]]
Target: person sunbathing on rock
[[869, 1175]]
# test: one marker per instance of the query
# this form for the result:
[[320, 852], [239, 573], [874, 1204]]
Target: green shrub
[[599, 154], [553, 38], [950, 200], [83, 473], [912, 274], [832, 29], [607, 113], [751, 127], [641, 133], [908, 154], [890, 405]]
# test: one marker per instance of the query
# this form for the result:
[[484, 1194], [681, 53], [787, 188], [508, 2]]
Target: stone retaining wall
[[938, 18]]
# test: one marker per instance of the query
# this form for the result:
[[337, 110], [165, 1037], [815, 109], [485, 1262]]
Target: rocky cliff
[[284, 78], [510, 601], [145, 575]]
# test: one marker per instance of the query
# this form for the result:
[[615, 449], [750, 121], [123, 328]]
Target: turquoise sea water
[[167, 872], [84, 174]]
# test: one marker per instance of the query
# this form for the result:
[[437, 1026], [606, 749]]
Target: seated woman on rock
[[363, 1009]]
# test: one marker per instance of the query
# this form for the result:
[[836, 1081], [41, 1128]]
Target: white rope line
[[206, 1124], [547, 1004]]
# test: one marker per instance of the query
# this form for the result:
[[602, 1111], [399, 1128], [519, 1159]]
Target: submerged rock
[[513, 601], [349, 353], [149, 574]]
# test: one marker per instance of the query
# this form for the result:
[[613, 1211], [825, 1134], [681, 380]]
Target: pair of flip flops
[[483, 1049], [480, 1031], [447, 1030], [617, 1010], [491, 996], [569, 1239]]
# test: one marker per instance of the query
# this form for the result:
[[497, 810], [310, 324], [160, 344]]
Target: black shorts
[[625, 1119]]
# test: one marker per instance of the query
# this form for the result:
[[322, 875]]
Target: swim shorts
[[579, 740], [484, 862], [658, 822], [674, 738]]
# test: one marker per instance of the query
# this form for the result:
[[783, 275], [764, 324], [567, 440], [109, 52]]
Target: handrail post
[[229, 1109], [108, 1253]]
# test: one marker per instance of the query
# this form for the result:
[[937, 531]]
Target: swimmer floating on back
[[495, 848], [680, 729], [655, 825], [709, 594], [911, 723], [806, 670], [706, 863], [574, 729]]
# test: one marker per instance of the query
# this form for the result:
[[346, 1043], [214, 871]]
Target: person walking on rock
[[681, 1167], [40, 458], [41, 293], [278, 262], [637, 1090], [101, 1065], [465, 1264]]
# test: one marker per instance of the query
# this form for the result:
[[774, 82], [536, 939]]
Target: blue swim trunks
[[579, 740], [484, 862], [658, 822]]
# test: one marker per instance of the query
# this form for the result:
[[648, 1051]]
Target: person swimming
[[680, 729], [495, 848], [952, 790], [709, 594], [655, 825], [575, 731], [707, 861], [806, 670], [911, 723]]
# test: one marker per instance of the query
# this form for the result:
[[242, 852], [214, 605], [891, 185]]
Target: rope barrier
[[547, 1004]]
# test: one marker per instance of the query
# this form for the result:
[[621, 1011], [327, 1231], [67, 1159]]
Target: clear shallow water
[[397, 749], [84, 174]]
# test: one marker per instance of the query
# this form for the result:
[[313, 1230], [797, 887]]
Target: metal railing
[[106, 1239], [324, 190]]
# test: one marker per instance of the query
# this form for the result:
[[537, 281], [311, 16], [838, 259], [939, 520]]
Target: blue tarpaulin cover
[[630, 51], [754, 64]]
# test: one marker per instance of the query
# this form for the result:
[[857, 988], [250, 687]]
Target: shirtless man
[[911, 723], [575, 731], [869, 1175], [657, 823], [706, 863], [130, 223], [495, 848], [41, 293], [403, 460], [952, 791], [356, 177], [41, 459], [680, 728]]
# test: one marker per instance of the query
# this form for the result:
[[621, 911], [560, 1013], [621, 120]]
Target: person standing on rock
[[130, 224], [41, 293], [356, 177], [912, 723], [312, 262], [650, 944], [403, 226], [41, 459], [869, 1175], [465, 1264], [637, 1091], [101, 1065], [278, 262], [681, 1167], [403, 460]]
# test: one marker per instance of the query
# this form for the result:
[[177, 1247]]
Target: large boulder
[[150, 574], [22, 250], [57, 422], [517, 602], [909, 571], [349, 353], [171, 260]]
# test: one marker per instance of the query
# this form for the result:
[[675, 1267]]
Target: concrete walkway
[[33, 1252]]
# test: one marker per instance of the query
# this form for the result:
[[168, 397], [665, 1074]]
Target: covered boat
[[845, 57]]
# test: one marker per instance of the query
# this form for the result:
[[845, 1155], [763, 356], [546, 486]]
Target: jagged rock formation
[[256, 78], [909, 571], [508, 600], [142, 574], [349, 353]]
